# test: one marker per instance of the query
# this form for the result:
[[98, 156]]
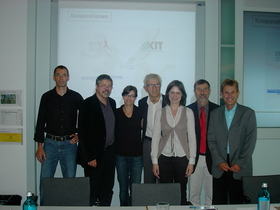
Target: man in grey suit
[[231, 139]]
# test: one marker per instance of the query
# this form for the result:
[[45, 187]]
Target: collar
[[232, 110], [159, 101], [206, 106]]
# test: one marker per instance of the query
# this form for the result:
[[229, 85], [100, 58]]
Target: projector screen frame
[[240, 8], [207, 40], [46, 35]]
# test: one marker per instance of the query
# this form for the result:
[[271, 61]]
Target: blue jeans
[[129, 170], [62, 151]]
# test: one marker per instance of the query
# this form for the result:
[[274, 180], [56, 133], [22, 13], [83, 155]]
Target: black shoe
[[189, 203]]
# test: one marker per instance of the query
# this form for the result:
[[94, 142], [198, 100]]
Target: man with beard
[[203, 163], [96, 151], [57, 118]]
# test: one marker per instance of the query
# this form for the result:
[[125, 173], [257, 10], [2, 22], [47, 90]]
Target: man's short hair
[[128, 89], [180, 85], [200, 82], [60, 67], [229, 82], [151, 77], [102, 77]]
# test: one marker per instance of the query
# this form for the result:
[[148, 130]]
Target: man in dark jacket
[[148, 106], [203, 162], [96, 152]]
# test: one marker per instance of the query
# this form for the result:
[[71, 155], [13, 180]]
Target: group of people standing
[[171, 141]]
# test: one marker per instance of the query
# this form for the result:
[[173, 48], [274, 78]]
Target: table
[[220, 207]]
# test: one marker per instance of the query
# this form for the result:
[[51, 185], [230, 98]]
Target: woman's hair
[[179, 84], [128, 89]]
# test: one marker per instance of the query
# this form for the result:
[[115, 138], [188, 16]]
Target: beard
[[202, 100], [105, 94]]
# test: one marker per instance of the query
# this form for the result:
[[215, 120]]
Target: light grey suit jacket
[[241, 135]]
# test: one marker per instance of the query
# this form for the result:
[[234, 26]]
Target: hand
[[224, 166], [189, 170], [93, 163], [156, 170], [41, 155], [75, 139], [235, 168]]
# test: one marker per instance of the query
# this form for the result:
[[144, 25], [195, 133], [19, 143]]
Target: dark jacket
[[194, 108], [142, 104], [92, 130]]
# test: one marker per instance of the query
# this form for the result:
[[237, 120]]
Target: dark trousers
[[226, 188], [102, 179], [149, 177], [173, 170]]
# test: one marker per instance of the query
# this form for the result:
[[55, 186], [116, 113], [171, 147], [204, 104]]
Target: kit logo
[[152, 46]]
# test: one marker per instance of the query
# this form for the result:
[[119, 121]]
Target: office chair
[[252, 185], [66, 191], [151, 194]]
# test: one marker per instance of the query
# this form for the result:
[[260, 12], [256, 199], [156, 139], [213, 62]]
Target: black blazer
[[194, 108], [92, 130], [142, 104]]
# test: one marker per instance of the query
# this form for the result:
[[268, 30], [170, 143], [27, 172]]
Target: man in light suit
[[231, 139], [148, 106], [203, 161]]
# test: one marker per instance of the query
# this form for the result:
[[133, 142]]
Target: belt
[[148, 138], [108, 147], [58, 138], [203, 154]]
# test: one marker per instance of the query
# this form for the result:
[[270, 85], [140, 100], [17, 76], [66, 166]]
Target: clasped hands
[[189, 170], [225, 167]]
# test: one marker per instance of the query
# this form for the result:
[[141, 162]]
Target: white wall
[[13, 63]]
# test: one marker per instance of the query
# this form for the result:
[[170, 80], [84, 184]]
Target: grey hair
[[151, 77]]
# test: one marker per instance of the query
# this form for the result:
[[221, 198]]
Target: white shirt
[[178, 149], [152, 109]]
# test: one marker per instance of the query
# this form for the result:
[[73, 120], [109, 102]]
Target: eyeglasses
[[106, 86], [202, 89], [129, 96], [153, 85]]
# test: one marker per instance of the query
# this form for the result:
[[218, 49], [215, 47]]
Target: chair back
[[252, 185], [150, 194], [66, 191]]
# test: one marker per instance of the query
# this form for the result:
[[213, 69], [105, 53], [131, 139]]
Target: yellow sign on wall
[[10, 137]]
